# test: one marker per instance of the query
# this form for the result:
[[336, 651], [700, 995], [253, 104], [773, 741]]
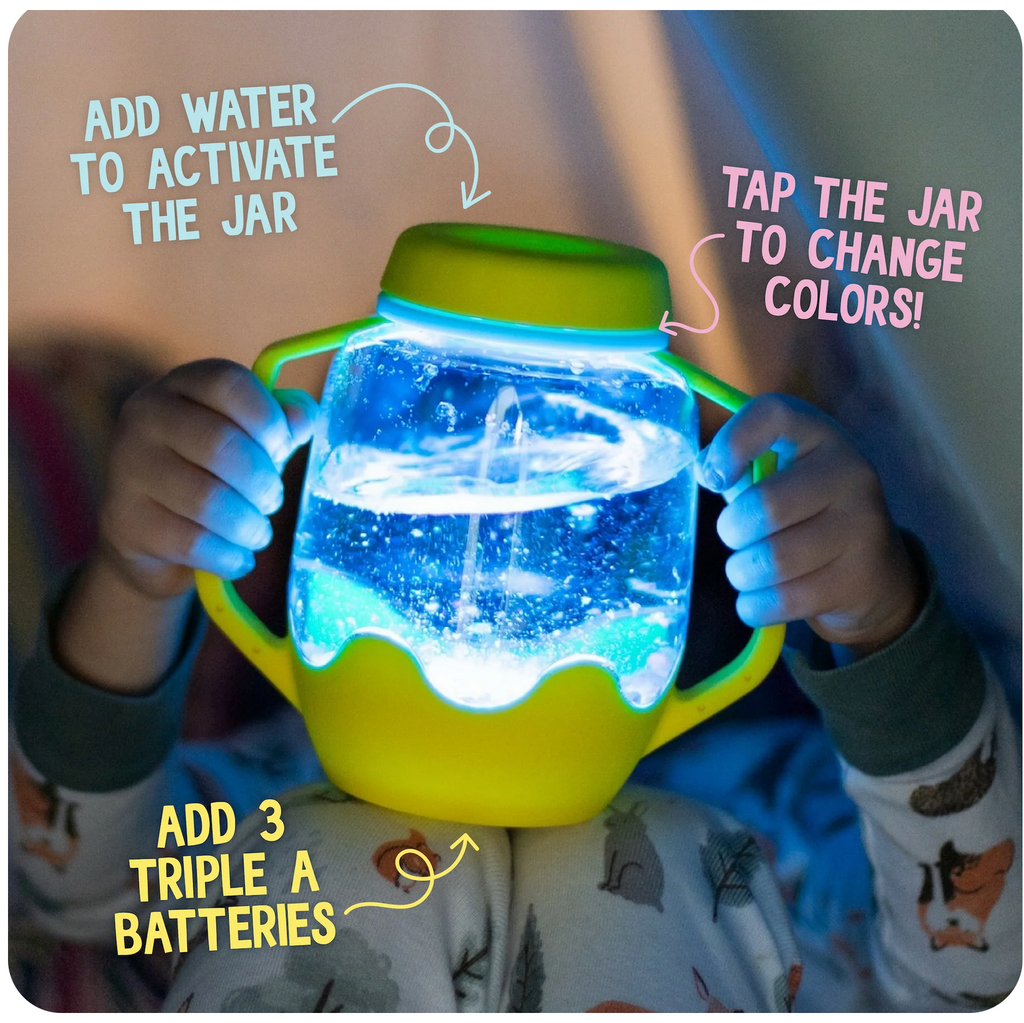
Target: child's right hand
[[194, 473]]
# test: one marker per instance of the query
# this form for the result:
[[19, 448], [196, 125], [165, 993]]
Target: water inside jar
[[559, 533]]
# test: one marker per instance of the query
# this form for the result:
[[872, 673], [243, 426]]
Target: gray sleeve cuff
[[906, 705], [90, 740]]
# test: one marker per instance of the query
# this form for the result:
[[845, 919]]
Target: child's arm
[[928, 748], [194, 472]]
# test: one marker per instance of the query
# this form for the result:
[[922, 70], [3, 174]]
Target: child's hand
[[813, 541], [194, 473]]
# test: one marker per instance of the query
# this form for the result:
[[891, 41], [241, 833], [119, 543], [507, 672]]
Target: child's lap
[[614, 911]]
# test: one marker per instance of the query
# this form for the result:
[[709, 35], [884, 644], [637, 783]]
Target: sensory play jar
[[491, 570]]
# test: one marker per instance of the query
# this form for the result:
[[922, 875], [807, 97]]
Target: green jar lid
[[519, 275]]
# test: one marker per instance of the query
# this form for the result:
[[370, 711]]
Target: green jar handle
[[270, 653], [684, 708]]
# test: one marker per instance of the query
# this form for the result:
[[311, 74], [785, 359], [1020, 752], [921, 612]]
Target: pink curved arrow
[[666, 323]]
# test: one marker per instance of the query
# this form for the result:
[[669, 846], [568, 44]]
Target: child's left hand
[[814, 540]]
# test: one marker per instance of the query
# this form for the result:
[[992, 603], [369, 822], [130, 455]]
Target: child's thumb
[[301, 410], [708, 475]]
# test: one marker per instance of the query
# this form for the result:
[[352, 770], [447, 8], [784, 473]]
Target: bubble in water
[[446, 411]]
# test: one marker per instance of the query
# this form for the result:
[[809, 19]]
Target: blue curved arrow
[[467, 199]]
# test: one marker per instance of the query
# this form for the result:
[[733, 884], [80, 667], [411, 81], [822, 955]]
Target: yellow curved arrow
[[464, 839]]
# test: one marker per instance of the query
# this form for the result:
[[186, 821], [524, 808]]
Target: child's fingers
[[789, 497], [235, 393], [210, 440], [195, 494], [789, 554], [150, 531], [770, 422], [777, 605], [195, 471], [865, 586], [801, 599]]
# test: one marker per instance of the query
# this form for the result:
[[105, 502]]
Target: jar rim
[[522, 335]]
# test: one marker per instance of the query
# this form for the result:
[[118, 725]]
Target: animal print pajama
[[583, 918], [659, 903]]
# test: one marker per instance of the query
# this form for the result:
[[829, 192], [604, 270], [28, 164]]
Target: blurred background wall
[[608, 123]]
